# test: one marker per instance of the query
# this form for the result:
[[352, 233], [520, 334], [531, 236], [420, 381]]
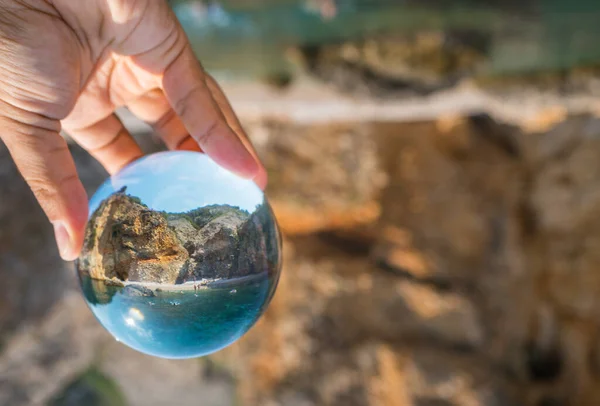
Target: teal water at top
[[238, 38]]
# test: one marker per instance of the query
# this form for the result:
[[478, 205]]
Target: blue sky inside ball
[[180, 181]]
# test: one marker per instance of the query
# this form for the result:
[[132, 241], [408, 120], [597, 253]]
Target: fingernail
[[63, 240]]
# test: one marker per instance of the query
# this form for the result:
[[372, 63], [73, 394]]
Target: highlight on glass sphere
[[181, 257]]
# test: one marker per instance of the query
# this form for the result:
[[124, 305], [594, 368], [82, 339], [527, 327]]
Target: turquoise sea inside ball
[[181, 257]]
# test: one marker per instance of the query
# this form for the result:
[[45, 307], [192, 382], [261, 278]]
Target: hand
[[68, 64]]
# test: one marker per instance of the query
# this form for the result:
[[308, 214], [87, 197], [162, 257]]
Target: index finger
[[234, 123], [184, 84]]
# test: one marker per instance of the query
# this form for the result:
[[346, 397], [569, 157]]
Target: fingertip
[[70, 230], [236, 128], [227, 150]]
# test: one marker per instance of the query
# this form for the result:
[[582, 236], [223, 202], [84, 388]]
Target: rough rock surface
[[225, 242], [212, 242], [332, 175], [431, 61], [130, 242], [127, 241], [261, 251], [387, 66]]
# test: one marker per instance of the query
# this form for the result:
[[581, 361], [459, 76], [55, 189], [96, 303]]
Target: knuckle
[[45, 143], [50, 194], [210, 131], [45, 192], [46, 189], [182, 106], [165, 120], [171, 44], [184, 142]]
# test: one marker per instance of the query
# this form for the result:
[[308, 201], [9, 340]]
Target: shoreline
[[187, 286]]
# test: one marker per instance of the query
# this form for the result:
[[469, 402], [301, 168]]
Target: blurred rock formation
[[450, 261], [445, 262]]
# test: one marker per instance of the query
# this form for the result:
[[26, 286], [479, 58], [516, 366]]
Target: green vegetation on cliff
[[201, 216]]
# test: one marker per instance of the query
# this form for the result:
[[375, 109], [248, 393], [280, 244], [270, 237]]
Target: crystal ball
[[181, 257]]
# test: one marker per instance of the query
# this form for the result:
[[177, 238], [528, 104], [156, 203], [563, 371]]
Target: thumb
[[43, 159]]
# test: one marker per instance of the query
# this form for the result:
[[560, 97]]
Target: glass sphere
[[181, 257]]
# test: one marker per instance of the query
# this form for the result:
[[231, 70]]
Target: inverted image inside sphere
[[181, 257]]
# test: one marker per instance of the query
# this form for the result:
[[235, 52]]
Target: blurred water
[[240, 38]]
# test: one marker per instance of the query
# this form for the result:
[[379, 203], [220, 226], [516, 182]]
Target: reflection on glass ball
[[181, 257]]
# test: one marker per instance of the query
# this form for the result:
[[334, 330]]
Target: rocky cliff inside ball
[[181, 257]]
